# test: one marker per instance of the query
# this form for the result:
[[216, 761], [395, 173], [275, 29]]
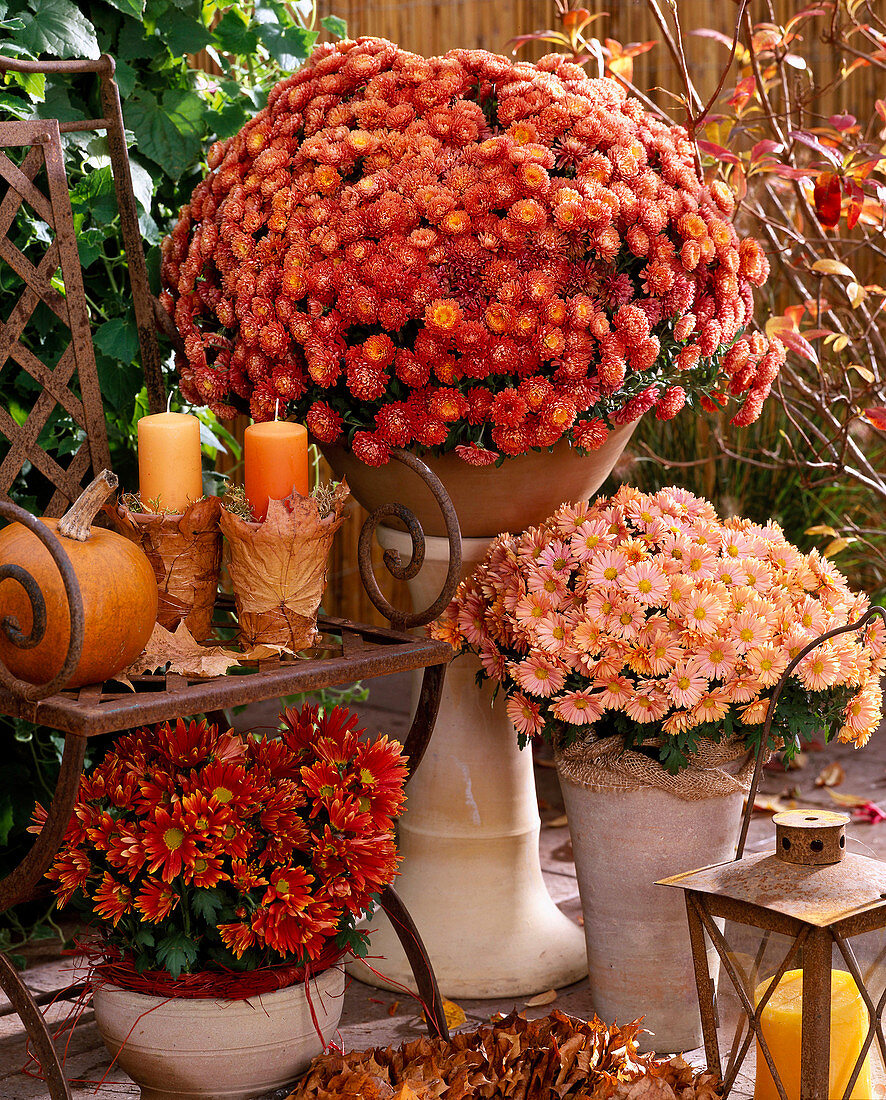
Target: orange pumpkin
[[117, 586]]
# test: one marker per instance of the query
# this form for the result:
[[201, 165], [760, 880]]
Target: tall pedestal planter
[[625, 836], [470, 875], [206, 1049]]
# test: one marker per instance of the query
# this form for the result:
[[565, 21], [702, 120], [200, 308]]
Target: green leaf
[[126, 77], [14, 24], [229, 119], [33, 83], [96, 194], [134, 44], [118, 339], [336, 26], [169, 133], [176, 952], [7, 817], [142, 185], [59, 28], [182, 34], [206, 904], [232, 33], [135, 8], [89, 246], [119, 381], [289, 46]]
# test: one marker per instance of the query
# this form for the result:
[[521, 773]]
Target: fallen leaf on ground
[[797, 761], [832, 775], [392, 1008], [765, 804], [455, 1014], [556, 822], [546, 998], [843, 798]]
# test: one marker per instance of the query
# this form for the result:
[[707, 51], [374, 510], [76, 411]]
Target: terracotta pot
[[639, 958], [184, 1049], [520, 493]]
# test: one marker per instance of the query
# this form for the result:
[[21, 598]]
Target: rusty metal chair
[[358, 651]]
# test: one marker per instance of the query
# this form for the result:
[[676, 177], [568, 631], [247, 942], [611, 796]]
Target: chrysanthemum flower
[[539, 675], [686, 683]]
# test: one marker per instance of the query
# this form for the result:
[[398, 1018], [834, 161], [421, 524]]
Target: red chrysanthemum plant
[[461, 253], [197, 853]]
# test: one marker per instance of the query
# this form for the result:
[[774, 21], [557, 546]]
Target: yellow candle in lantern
[[276, 462], [781, 1025], [170, 475]]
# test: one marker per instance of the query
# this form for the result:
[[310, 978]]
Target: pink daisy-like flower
[[615, 691], [819, 669], [646, 582], [742, 687], [552, 633], [538, 675], [686, 683], [557, 557], [700, 562], [748, 631], [627, 619], [679, 589], [586, 634], [717, 658], [766, 663], [532, 608], [662, 653], [862, 715], [649, 705], [589, 539], [752, 573], [703, 612], [712, 706], [679, 722], [578, 708], [548, 581], [525, 714], [754, 714], [606, 568]]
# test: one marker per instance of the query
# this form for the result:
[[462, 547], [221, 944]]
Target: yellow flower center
[[222, 794], [537, 613], [550, 585], [173, 838], [683, 683], [699, 613], [645, 585], [746, 634], [541, 674], [366, 777], [610, 573], [732, 551], [559, 633], [626, 618]]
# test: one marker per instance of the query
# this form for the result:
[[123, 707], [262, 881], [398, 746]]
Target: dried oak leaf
[[831, 775], [182, 654]]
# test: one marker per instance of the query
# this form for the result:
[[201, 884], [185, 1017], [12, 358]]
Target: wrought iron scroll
[[403, 620], [849, 628], [112, 124], [12, 628]]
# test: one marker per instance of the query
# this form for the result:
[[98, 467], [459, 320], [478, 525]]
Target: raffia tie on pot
[[603, 764], [278, 568], [184, 550]]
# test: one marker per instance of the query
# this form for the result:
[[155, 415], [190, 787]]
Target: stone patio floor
[[373, 1017]]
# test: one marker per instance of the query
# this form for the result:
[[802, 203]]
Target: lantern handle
[[870, 614]]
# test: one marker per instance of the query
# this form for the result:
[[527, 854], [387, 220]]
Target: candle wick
[[276, 409], [169, 401]]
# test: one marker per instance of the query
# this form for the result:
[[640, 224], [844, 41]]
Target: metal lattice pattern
[[72, 383]]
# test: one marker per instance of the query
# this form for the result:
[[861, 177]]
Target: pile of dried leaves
[[555, 1058]]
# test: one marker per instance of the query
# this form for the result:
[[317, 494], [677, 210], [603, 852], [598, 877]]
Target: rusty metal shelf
[[347, 652]]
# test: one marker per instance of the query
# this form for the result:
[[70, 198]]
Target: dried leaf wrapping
[[278, 569], [556, 1056], [182, 654], [185, 554]]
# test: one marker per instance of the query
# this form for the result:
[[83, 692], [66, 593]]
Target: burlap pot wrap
[[603, 764], [184, 550], [278, 569]]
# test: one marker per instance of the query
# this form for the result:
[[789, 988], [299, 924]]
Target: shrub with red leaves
[[461, 253]]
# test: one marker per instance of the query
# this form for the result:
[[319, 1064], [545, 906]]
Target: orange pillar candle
[[170, 474], [276, 463]]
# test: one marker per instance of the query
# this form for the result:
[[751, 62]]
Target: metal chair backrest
[[36, 187]]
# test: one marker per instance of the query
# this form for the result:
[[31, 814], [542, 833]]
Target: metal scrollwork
[[12, 628], [849, 628], [405, 619]]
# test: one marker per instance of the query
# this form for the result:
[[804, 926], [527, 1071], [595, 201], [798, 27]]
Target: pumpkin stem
[[77, 521]]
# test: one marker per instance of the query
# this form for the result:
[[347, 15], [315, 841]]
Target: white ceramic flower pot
[[184, 1049], [639, 958]]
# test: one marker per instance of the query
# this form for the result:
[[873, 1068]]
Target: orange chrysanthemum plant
[[461, 253], [194, 850], [649, 617]]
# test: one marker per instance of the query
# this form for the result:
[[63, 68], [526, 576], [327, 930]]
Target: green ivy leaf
[[232, 33], [206, 904], [168, 132], [58, 27], [119, 380], [176, 952], [135, 8], [89, 246], [336, 26], [183, 34], [95, 193]]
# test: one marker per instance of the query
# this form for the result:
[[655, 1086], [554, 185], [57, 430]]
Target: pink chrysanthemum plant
[[461, 253], [647, 616], [192, 849]]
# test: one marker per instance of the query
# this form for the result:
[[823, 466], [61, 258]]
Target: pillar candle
[[170, 473], [276, 462], [781, 1026]]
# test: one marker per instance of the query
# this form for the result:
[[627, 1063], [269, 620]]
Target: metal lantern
[[805, 902]]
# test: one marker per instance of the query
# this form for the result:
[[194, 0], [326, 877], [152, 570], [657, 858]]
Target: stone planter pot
[[190, 1048], [627, 834], [520, 493]]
